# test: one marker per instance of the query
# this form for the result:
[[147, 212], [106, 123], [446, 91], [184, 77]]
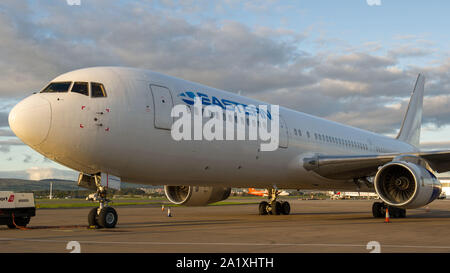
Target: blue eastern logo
[[188, 97]]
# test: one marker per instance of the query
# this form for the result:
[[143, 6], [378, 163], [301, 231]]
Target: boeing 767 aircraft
[[115, 122]]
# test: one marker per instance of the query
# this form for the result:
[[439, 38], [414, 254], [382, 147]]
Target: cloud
[[38, 173], [211, 53], [6, 133], [409, 51], [5, 149], [4, 119], [11, 141], [437, 145], [356, 85], [5, 145]]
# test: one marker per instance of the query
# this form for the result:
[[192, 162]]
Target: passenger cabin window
[[97, 90], [81, 88], [57, 87]]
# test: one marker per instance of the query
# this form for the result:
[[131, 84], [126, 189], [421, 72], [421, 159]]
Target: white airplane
[[116, 122]]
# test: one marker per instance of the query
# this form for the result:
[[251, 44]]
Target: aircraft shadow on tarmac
[[177, 223], [418, 213]]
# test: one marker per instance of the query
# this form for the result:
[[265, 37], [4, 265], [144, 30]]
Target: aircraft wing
[[438, 160], [357, 166]]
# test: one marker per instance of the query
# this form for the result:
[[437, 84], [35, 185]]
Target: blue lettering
[[216, 101], [190, 95], [249, 110], [205, 99]]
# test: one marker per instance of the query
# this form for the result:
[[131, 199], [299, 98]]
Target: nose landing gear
[[104, 216]]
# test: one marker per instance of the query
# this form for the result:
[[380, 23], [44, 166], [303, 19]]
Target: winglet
[[410, 130]]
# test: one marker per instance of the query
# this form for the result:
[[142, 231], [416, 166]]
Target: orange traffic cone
[[162, 208], [386, 220]]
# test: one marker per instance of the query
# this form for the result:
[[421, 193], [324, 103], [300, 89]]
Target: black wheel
[[397, 212], [275, 208], [11, 226], [263, 208], [393, 212], [285, 208], [377, 210], [92, 217], [402, 213], [22, 221], [107, 218]]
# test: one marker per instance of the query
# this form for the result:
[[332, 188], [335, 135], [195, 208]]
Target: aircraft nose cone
[[30, 120]]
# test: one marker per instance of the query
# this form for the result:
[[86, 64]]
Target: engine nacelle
[[195, 195], [406, 185]]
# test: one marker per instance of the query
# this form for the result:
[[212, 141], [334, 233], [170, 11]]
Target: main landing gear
[[274, 206], [104, 216], [379, 211]]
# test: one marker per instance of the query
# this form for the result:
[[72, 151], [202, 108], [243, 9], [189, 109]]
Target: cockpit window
[[97, 90], [57, 87], [80, 87]]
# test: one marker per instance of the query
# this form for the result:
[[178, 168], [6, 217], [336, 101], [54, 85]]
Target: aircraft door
[[162, 102], [284, 134]]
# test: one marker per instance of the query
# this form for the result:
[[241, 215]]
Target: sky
[[352, 61]]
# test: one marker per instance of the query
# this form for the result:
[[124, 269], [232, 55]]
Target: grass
[[81, 203]]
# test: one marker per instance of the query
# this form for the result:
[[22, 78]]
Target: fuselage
[[116, 134]]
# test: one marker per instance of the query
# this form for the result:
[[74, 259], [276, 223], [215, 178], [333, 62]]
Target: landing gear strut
[[273, 206], [104, 216], [379, 211]]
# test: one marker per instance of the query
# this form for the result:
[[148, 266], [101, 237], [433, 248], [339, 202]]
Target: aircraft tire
[[397, 212], [393, 212], [107, 218], [92, 217], [276, 208], [263, 208], [377, 210], [22, 221], [285, 208]]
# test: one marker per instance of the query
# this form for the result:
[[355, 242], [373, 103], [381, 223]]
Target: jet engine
[[406, 185], [195, 195]]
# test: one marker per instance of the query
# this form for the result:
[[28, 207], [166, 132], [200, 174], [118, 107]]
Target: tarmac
[[314, 226]]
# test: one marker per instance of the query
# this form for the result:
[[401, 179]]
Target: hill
[[24, 185]]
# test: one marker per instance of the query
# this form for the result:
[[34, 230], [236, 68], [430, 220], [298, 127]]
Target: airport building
[[445, 181]]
